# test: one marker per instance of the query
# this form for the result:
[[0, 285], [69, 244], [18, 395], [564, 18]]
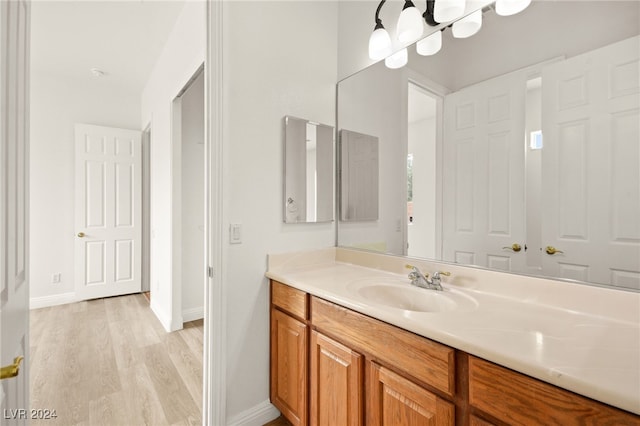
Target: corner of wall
[[164, 319]]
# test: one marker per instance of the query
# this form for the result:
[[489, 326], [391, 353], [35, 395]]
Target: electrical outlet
[[56, 278]]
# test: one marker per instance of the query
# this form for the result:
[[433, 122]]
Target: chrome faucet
[[420, 280]]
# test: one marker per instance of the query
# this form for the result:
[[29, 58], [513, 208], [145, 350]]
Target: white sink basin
[[406, 297]]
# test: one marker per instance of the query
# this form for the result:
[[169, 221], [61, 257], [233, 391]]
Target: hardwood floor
[[280, 421], [110, 362]]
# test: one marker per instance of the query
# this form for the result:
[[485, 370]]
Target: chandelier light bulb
[[430, 45], [448, 10], [379, 43], [468, 26], [410, 23], [397, 60], [511, 7]]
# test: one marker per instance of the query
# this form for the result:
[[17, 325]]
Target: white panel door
[[14, 208], [483, 174], [591, 166], [108, 211]]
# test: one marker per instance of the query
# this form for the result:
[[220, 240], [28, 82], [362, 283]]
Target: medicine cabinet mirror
[[358, 176], [308, 171]]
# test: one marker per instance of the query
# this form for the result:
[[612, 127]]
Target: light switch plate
[[235, 233]]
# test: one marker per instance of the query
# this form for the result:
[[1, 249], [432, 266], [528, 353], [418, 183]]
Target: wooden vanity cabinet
[[289, 350], [333, 366], [336, 382], [392, 356]]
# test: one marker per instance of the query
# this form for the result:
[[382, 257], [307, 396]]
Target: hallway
[[110, 362]]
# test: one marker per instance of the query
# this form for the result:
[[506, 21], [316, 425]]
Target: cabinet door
[[336, 383], [394, 400], [289, 367]]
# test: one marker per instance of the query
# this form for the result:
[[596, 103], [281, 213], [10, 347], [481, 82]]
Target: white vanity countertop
[[581, 338]]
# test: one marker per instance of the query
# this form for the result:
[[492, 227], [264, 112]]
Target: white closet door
[[483, 174], [591, 166], [108, 211]]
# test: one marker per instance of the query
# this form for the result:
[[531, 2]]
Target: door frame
[[146, 208], [214, 395]]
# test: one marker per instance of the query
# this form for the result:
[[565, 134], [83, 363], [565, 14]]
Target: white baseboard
[[164, 319], [193, 314], [255, 416], [53, 300]]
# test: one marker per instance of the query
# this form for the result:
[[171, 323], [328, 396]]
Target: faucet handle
[[415, 269], [437, 274]]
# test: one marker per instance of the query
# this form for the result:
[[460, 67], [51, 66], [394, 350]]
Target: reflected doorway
[[422, 173]]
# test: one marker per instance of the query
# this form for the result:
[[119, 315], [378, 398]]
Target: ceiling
[[122, 38]]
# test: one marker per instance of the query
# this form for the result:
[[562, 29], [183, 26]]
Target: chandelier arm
[[428, 14], [378, 20]]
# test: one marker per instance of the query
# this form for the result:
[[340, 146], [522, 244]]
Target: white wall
[[280, 58], [57, 104], [180, 59], [192, 201]]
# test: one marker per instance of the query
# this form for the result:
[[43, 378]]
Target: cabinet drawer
[[289, 299], [516, 398], [428, 361]]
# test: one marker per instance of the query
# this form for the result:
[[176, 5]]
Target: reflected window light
[[535, 140]]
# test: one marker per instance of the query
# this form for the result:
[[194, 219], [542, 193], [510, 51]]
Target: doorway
[[61, 97], [422, 172], [189, 196]]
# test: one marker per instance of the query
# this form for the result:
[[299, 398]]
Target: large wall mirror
[[517, 149]]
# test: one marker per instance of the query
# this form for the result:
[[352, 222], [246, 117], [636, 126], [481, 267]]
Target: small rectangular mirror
[[358, 176], [308, 171]]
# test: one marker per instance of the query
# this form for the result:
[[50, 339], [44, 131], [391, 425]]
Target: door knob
[[81, 234], [552, 250], [11, 370], [515, 247]]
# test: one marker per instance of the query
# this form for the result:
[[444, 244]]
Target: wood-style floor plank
[[110, 362], [174, 396]]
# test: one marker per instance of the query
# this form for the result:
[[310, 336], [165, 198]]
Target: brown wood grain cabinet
[[289, 367], [394, 400], [333, 366], [515, 398], [336, 383]]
